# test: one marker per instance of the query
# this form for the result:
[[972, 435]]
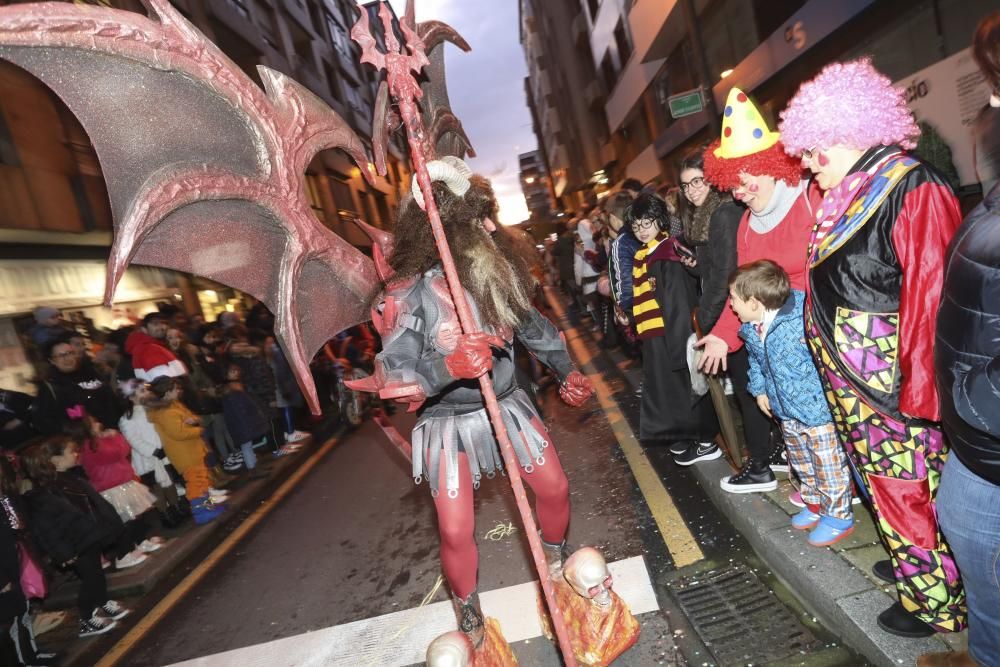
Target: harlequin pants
[[900, 465]]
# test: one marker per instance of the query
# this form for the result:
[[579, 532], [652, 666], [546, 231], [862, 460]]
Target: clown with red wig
[[875, 269], [750, 160]]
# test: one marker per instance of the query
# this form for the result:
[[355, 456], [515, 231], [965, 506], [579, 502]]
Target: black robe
[[670, 410]]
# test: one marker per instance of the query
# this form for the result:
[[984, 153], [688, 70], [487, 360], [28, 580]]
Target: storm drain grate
[[739, 619]]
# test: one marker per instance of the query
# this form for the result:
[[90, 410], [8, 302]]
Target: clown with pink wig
[[875, 269]]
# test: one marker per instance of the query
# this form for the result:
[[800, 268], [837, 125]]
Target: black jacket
[[63, 391], [967, 346], [68, 516], [246, 419], [716, 260]]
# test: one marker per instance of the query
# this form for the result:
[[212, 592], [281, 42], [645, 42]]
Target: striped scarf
[[646, 311]]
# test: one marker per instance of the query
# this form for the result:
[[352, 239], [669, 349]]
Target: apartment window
[[608, 72], [338, 35], [8, 152], [241, 7], [342, 198], [623, 41], [315, 201]]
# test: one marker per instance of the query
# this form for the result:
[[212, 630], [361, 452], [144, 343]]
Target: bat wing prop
[[205, 171]]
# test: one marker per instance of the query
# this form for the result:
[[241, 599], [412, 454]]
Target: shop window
[[315, 201], [8, 152], [342, 198]]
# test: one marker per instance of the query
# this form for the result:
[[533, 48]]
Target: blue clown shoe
[[805, 519], [204, 510], [830, 531]]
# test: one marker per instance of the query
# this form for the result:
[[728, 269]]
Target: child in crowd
[[17, 637], [180, 433], [663, 295], [786, 384], [73, 524], [105, 457], [246, 420], [147, 454], [288, 396]]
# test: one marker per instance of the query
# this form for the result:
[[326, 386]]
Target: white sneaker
[[130, 560], [218, 494], [296, 436], [111, 609], [151, 545], [95, 625]]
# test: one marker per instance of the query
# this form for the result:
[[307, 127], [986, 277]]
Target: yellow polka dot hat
[[746, 146]]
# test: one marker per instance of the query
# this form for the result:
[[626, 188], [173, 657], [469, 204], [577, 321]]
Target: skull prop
[[452, 649], [587, 572]]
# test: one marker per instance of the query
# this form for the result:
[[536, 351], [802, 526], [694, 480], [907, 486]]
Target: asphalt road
[[356, 539]]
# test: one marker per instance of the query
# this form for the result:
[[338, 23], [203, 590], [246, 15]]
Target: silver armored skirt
[[439, 436]]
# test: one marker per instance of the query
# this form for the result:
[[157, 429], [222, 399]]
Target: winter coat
[[182, 442], [69, 516], [966, 354], [782, 367], [288, 393], [716, 260], [12, 602], [623, 250], [145, 442], [61, 397], [108, 466], [245, 419], [151, 358]]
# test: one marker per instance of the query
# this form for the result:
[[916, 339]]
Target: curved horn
[[446, 172]]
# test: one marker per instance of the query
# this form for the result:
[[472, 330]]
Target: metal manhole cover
[[739, 619]]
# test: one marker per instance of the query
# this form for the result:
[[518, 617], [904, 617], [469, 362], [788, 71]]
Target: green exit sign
[[685, 104]]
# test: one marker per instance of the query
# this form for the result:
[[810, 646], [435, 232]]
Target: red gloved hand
[[472, 356], [576, 389]]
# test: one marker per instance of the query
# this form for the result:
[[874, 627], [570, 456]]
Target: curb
[[840, 594], [142, 579]]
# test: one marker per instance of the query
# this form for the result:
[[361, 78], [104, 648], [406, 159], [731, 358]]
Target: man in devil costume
[[426, 359]]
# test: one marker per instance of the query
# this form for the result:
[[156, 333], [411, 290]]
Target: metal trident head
[[401, 65]]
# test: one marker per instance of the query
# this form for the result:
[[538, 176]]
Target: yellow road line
[[125, 644], [680, 542]]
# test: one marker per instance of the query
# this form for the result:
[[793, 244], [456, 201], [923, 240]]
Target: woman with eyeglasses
[[749, 160], [664, 294]]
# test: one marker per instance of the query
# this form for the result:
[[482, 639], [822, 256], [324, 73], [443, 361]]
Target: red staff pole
[[405, 90]]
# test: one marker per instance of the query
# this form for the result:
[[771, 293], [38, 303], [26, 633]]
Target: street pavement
[[352, 543]]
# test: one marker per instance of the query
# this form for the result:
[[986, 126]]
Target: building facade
[[565, 97], [644, 53], [536, 185]]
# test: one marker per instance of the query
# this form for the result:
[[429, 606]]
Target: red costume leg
[[551, 490], [457, 525]]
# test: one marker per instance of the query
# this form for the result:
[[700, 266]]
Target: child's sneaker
[[112, 610], [795, 498], [218, 495], [233, 462], [95, 625], [204, 510], [296, 436], [131, 559], [805, 519], [151, 545], [830, 531]]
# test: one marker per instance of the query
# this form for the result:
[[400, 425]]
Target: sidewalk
[[128, 586], [835, 583]]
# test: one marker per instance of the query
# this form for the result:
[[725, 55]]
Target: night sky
[[486, 87]]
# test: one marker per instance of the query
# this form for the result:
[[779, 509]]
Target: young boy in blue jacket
[[786, 384]]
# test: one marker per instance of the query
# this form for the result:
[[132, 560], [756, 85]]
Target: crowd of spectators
[[713, 289], [131, 433]]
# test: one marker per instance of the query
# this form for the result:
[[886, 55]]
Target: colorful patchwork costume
[[875, 272]]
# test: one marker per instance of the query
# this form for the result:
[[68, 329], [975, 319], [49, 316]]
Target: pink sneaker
[[795, 498]]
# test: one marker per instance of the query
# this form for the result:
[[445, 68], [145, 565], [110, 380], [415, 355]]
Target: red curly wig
[[724, 173]]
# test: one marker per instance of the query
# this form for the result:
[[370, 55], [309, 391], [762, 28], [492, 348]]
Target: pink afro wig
[[724, 173], [849, 104]]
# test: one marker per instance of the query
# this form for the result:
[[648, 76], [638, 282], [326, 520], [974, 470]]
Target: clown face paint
[[754, 191]]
